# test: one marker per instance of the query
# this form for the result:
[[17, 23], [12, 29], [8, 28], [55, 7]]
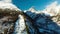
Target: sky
[[37, 4]]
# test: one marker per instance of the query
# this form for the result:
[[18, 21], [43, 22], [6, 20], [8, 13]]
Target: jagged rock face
[[7, 21], [42, 24]]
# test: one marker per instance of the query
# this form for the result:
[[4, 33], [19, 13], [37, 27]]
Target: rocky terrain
[[43, 24], [15, 21], [7, 20], [36, 23]]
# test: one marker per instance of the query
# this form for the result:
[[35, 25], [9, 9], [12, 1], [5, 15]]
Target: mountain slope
[[45, 22], [41, 24]]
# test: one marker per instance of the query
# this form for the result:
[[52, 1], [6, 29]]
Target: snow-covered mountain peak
[[52, 9], [32, 9], [54, 4]]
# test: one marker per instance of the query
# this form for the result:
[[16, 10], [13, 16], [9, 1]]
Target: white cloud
[[7, 4], [8, 1]]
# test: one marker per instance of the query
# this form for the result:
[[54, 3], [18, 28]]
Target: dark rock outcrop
[[7, 20]]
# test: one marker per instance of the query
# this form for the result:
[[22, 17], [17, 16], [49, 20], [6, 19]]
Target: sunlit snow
[[7, 4]]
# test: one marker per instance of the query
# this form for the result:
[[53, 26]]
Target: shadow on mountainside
[[40, 24]]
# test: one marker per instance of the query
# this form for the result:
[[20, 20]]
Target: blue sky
[[26, 4]]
